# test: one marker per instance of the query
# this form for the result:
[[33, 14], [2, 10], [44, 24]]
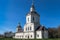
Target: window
[[31, 35], [37, 19], [30, 28], [26, 29], [33, 18], [28, 37], [20, 36], [25, 36], [28, 19], [37, 35]]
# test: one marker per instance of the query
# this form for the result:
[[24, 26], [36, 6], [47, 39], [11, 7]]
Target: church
[[32, 29]]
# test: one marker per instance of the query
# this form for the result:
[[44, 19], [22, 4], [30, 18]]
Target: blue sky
[[14, 11]]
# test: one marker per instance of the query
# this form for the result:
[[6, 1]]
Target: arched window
[[28, 19], [30, 28], [33, 18], [31, 35], [26, 29]]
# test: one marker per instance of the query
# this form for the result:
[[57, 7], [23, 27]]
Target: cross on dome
[[32, 7]]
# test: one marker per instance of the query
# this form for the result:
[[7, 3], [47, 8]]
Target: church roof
[[41, 28], [32, 11], [19, 28]]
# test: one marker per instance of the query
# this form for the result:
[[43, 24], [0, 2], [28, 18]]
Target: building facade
[[9, 34], [32, 29]]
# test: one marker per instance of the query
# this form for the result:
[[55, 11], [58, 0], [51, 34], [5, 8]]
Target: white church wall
[[32, 21], [28, 25], [28, 19], [29, 35], [25, 35], [19, 35], [39, 34]]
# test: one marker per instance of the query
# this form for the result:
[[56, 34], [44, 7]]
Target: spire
[[32, 7], [32, 2]]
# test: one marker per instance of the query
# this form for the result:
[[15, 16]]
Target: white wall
[[29, 16], [26, 34], [19, 35], [29, 25], [39, 33]]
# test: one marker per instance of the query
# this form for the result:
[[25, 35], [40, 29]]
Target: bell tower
[[32, 19], [32, 16]]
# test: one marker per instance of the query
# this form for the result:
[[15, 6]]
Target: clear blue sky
[[14, 11]]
